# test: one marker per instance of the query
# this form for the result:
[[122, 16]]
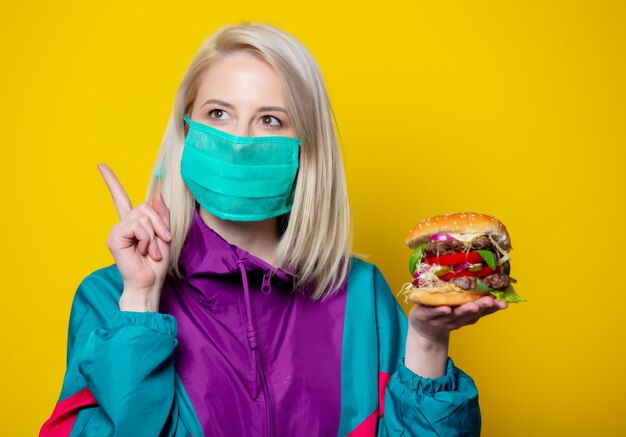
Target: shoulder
[[368, 289], [99, 293], [103, 284], [362, 270], [107, 276], [368, 283], [366, 275]]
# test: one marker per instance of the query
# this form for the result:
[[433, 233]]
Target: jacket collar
[[205, 252]]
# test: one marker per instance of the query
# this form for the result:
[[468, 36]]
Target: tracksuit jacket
[[235, 350]]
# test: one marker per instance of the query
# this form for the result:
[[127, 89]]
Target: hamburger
[[458, 258]]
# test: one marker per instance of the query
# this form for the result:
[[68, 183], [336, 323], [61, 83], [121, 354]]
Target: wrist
[[429, 340], [426, 356], [139, 302]]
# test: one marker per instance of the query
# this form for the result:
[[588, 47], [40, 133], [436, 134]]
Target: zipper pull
[[266, 286]]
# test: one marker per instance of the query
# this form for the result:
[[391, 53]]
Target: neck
[[259, 238]]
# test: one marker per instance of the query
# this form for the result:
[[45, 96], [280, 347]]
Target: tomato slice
[[486, 271], [455, 258]]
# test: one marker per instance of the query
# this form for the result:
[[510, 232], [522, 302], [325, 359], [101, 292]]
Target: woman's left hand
[[429, 332], [435, 323]]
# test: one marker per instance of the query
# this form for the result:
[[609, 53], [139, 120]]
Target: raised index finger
[[118, 194]]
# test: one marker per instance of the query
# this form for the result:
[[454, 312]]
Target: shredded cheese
[[466, 237], [504, 253], [426, 274]]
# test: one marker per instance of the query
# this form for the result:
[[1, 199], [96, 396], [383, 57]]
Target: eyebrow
[[228, 105], [272, 108], [218, 102]]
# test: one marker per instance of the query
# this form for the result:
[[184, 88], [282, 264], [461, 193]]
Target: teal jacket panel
[[380, 396], [126, 360]]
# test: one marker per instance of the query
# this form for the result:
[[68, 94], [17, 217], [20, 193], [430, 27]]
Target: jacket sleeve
[[413, 405], [123, 361]]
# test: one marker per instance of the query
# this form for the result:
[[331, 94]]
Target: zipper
[[266, 288], [269, 397]]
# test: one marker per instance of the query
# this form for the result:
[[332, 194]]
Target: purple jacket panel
[[255, 356]]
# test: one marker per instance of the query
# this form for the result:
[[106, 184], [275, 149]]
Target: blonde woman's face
[[242, 95]]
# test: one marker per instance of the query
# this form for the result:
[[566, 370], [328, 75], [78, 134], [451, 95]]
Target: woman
[[237, 309]]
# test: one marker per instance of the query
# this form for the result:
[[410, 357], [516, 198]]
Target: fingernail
[[168, 234]]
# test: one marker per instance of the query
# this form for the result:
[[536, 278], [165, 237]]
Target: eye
[[271, 121], [218, 114]]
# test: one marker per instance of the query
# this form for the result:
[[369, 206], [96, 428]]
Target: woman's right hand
[[140, 245]]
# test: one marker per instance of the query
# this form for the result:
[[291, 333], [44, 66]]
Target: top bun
[[459, 223]]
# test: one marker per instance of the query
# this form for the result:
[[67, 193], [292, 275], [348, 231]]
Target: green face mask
[[239, 178]]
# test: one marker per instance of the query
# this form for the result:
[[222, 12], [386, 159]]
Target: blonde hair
[[316, 243]]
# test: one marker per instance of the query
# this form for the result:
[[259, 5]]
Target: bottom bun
[[450, 295]]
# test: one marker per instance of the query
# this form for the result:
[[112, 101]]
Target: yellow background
[[515, 109]]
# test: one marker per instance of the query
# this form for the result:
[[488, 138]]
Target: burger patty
[[482, 243], [497, 280], [442, 248], [436, 248], [465, 282]]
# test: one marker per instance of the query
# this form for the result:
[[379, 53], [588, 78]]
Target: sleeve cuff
[[419, 384], [158, 322]]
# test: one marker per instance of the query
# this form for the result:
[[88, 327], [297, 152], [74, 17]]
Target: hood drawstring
[[251, 331]]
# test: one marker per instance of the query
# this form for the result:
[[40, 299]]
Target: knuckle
[[144, 220], [138, 229], [141, 209], [149, 209]]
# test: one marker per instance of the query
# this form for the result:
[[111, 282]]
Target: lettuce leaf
[[508, 295], [489, 257], [481, 286], [416, 257]]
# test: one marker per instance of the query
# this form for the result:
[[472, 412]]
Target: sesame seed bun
[[459, 223]]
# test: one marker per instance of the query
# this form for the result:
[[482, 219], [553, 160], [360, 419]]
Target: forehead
[[242, 79]]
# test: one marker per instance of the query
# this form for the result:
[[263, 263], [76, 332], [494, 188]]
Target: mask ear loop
[[186, 124], [160, 171]]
